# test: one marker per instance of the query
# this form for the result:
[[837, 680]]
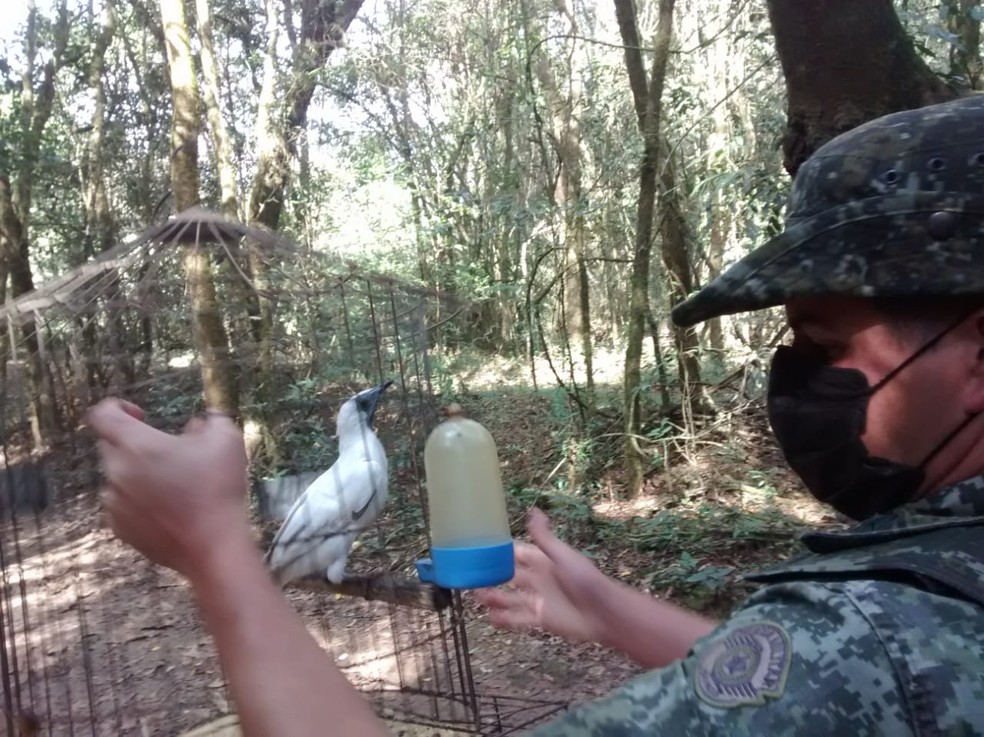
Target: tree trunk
[[16, 254], [722, 60], [322, 25], [664, 384], [272, 167], [511, 240], [100, 229], [15, 206], [142, 337], [218, 374], [213, 109], [720, 217], [679, 275], [281, 117], [830, 88], [186, 121], [99, 221], [647, 97], [247, 310], [7, 326], [568, 195]]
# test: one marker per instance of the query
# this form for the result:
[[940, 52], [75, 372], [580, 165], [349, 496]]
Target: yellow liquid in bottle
[[464, 486]]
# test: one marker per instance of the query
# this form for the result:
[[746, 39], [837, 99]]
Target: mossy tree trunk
[[219, 376]]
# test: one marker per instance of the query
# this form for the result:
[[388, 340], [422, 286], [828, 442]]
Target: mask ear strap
[[923, 349], [967, 420], [946, 440]]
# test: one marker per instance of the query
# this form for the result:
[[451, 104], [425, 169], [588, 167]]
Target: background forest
[[567, 170]]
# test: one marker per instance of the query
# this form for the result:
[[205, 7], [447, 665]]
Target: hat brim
[[877, 247]]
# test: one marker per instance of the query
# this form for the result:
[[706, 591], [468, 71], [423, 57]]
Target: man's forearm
[[283, 683], [653, 633]]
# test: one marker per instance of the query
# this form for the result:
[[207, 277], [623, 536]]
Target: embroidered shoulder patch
[[746, 667]]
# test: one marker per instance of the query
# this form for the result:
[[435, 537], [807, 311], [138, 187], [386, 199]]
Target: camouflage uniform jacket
[[878, 630]]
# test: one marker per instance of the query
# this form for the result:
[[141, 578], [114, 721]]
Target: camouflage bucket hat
[[892, 208]]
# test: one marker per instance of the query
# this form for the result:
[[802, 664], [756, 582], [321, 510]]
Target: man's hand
[[555, 589], [559, 590], [175, 498], [179, 501]]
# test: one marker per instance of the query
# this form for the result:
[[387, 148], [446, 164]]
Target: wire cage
[[96, 641]]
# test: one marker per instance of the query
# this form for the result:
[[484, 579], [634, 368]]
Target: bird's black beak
[[374, 395]]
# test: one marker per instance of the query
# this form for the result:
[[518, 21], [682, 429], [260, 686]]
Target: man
[[877, 406]]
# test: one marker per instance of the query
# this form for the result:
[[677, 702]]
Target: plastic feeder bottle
[[471, 546]]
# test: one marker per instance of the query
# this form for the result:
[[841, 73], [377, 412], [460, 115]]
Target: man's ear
[[974, 391]]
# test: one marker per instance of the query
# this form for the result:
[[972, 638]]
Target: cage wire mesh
[[96, 641]]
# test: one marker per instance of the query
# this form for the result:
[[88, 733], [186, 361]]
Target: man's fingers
[[543, 536], [110, 505], [216, 425], [132, 409], [508, 609], [523, 578], [117, 421], [529, 556], [531, 564], [194, 425], [513, 619], [209, 418], [499, 598], [112, 461]]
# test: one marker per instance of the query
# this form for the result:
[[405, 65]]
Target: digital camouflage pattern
[[892, 208], [885, 634]]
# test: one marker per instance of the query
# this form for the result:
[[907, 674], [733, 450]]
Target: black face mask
[[818, 413]]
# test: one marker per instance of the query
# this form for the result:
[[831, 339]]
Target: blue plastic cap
[[425, 570], [468, 568]]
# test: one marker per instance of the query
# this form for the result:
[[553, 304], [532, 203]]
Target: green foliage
[[309, 446], [700, 531], [569, 510], [169, 405], [661, 434], [763, 481], [692, 549], [932, 27]]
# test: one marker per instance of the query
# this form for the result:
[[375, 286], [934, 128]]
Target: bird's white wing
[[327, 517]]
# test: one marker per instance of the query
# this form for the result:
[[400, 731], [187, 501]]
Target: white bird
[[320, 528]]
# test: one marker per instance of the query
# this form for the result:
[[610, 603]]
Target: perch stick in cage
[[385, 587]]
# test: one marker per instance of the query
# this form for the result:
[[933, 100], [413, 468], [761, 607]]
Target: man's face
[[919, 406]]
